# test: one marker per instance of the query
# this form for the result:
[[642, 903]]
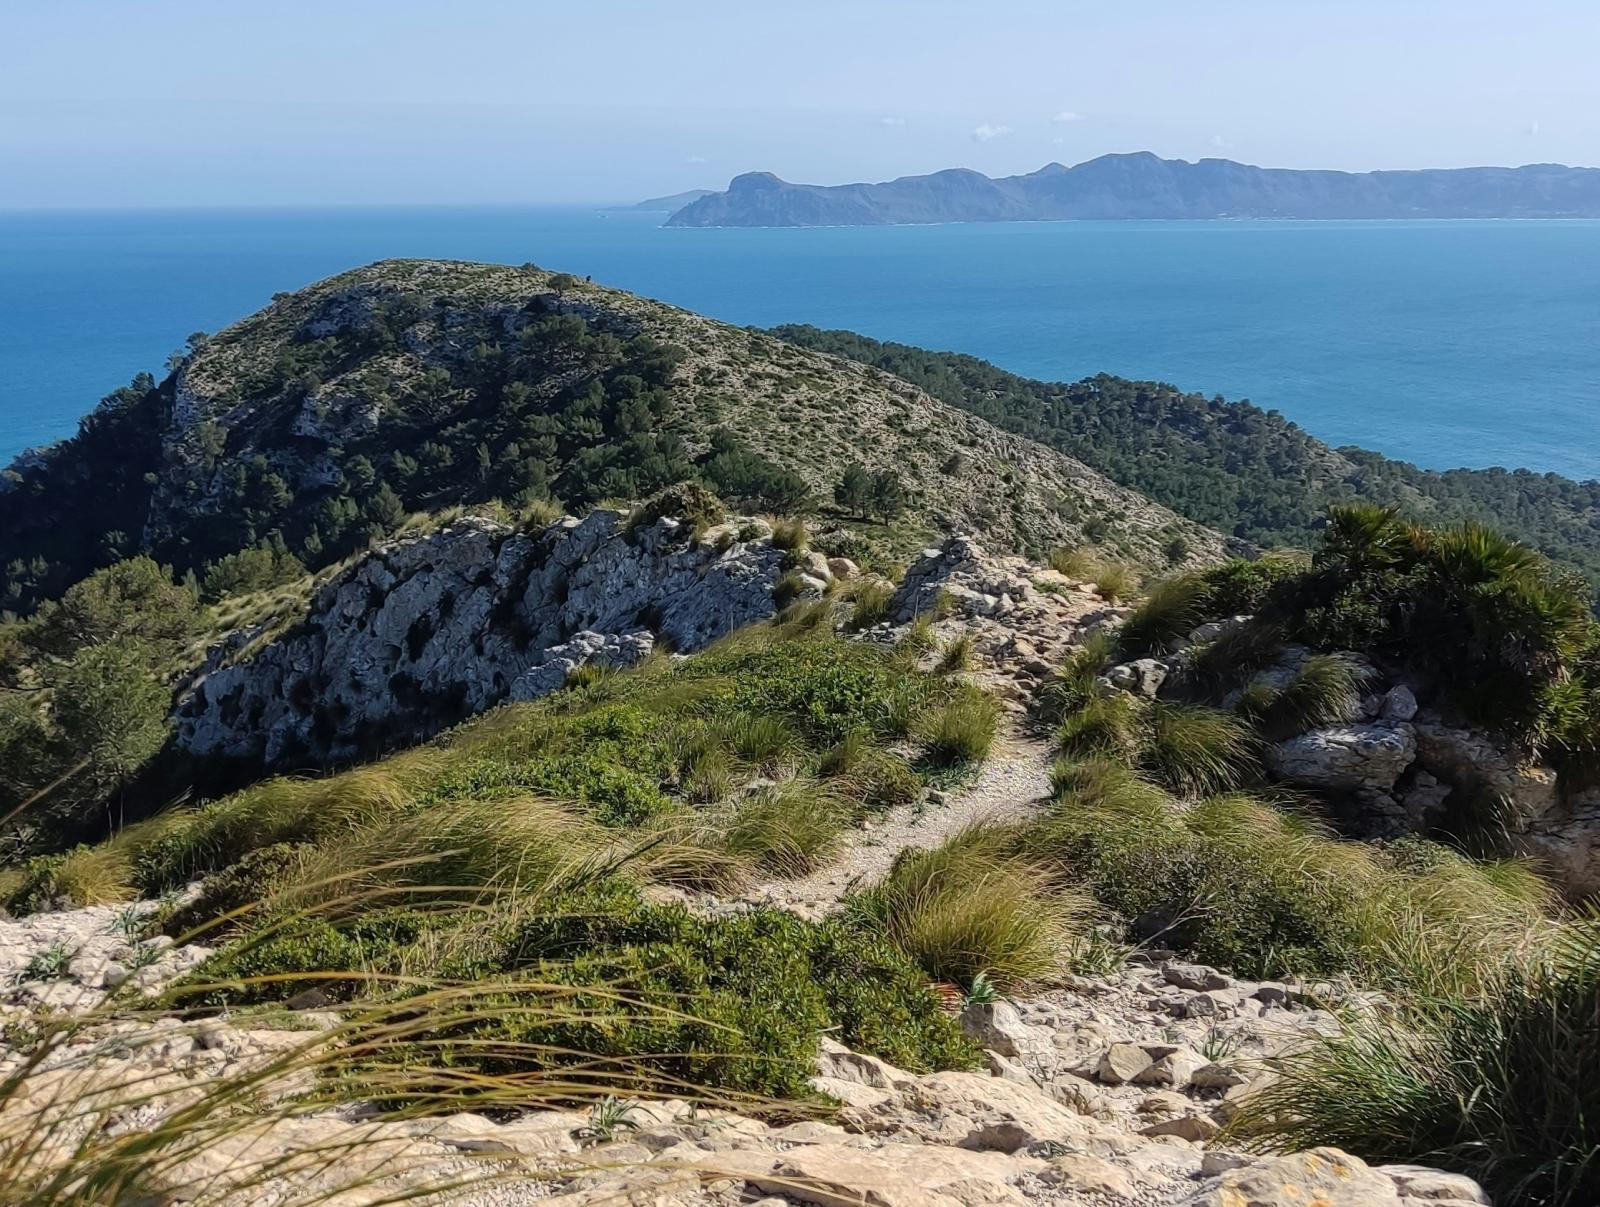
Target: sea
[[1445, 343]]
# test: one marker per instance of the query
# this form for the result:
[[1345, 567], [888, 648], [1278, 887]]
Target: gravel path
[[1011, 786]]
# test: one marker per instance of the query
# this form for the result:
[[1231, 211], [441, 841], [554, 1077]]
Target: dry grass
[[972, 906]]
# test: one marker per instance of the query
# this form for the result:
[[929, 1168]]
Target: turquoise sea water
[[1445, 343]]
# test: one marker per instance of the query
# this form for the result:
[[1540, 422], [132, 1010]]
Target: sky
[[208, 102]]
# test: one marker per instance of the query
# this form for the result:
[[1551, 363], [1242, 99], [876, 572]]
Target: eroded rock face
[[425, 632]]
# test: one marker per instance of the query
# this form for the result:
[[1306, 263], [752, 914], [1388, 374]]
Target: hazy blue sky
[[161, 102]]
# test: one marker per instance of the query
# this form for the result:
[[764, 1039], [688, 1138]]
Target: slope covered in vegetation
[[1230, 465], [318, 424]]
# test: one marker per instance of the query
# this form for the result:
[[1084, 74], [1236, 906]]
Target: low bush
[[1258, 886], [652, 995]]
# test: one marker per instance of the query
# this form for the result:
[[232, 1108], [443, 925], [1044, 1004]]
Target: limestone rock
[[1419, 1182], [898, 1175], [1352, 758], [428, 630], [1122, 1063], [1324, 1176]]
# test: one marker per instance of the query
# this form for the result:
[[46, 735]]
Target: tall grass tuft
[[1115, 581], [787, 829], [972, 907], [1169, 613], [1111, 726], [1195, 750], [1503, 1086], [962, 728], [1073, 684], [1325, 690], [870, 601]]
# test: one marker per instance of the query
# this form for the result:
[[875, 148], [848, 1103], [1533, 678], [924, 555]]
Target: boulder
[[1399, 704], [1326, 1177], [1122, 1063], [1420, 1182], [971, 1110], [1142, 677], [997, 1027], [1351, 758], [896, 1175], [1090, 1175]]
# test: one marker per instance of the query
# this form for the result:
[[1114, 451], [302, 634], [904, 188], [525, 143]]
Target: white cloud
[[1533, 128], [1066, 117], [1220, 143], [988, 132], [891, 121], [695, 159]]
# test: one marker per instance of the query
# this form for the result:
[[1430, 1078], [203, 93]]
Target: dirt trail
[[1011, 786]]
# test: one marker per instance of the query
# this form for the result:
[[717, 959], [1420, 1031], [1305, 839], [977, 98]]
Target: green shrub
[[657, 995], [689, 502], [248, 886], [1253, 885]]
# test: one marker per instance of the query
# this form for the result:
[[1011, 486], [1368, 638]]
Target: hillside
[[319, 423], [1142, 185], [1233, 466]]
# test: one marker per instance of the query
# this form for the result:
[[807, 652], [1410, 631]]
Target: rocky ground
[[1107, 1089]]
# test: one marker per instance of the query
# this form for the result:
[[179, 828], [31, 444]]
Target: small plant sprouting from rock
[[1219, 1046], [981, 992], [956, 655], [130, 923], [611, 1115], [49, 964]]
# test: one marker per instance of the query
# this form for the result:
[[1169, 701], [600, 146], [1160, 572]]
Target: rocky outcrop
[[1020, 618], [1395, 766], [421, 633]]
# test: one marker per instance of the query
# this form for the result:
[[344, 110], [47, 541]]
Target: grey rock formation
[[425, 632], [1350, 758]]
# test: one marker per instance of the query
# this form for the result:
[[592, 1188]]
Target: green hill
[[1245, 471]]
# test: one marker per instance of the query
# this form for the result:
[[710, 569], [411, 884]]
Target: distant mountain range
[[1143, 185]]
